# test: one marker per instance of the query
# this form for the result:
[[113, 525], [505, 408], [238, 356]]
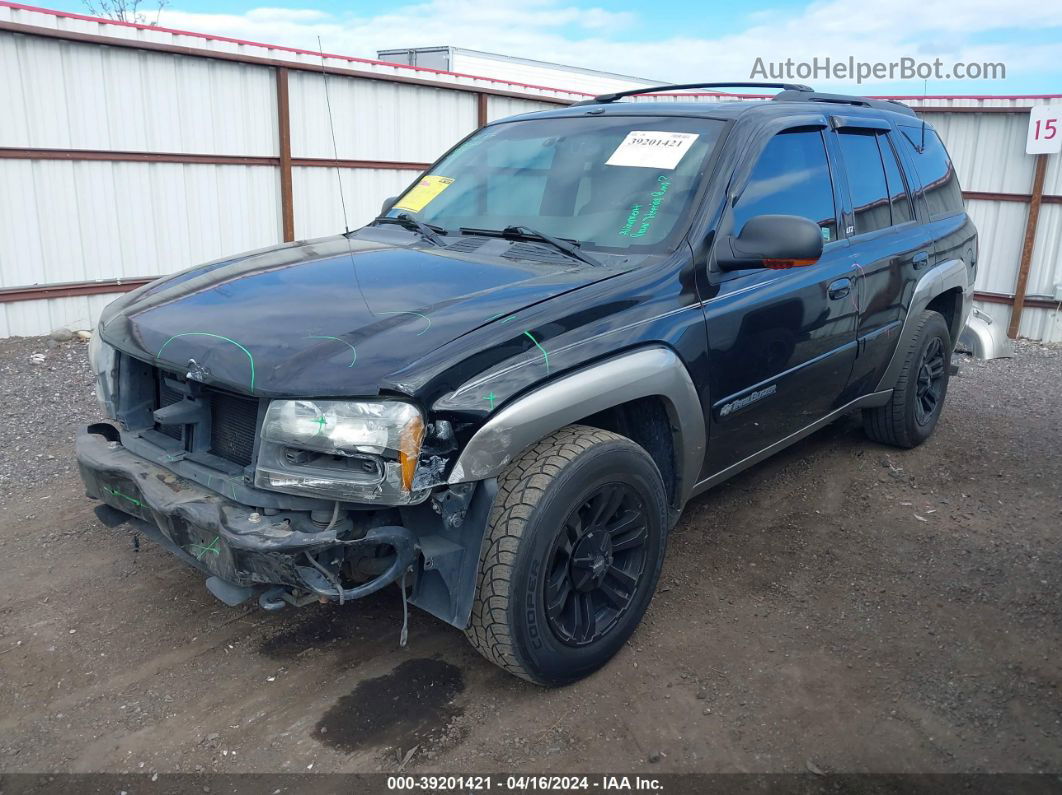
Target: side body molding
[[648, 372], [945, 276]]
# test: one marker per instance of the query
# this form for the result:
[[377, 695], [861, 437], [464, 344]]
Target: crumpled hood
[[328, 317]]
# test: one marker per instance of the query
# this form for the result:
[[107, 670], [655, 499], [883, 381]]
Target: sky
[[674, 40]]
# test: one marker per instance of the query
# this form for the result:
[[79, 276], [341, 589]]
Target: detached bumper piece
[[243, 552]]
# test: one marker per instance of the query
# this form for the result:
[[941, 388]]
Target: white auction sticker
[[650, 149]]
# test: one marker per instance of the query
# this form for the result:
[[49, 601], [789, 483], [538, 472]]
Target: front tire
[[911, 414], [575, 542]]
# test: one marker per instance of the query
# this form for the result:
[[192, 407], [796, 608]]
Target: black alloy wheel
[[574, 547], [930, 381], [595, 564]]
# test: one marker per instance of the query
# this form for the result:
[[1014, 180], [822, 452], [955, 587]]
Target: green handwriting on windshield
[[637, 223]]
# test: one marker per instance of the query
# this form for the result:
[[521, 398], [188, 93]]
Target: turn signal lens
[[409, 450], [785, 264]]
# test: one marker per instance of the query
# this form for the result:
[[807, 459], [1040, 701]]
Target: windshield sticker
[[637, 224], [648, 149], [423, 192]]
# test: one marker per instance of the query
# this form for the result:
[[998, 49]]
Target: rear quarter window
[[935, 170]]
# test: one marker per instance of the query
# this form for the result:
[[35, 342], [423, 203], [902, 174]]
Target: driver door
[[782, 343]]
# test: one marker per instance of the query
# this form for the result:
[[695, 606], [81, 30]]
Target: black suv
[[502, 392]]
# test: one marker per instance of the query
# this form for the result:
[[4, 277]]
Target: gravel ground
[[43, 406], [842, 607]]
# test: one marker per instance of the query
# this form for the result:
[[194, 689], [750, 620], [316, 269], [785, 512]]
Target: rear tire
[[911, 414], [575, 542]]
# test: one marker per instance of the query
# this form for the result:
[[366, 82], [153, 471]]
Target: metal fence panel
[[69, 221], [503, 107], [63, 95], [988, 149], [1000, 230], [376, 120], [318, 210]]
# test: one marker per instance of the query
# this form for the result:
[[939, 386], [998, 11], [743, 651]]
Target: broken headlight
[[354, 450], [103, 360]]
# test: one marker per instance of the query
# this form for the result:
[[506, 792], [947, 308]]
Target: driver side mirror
[[772, 241], [388, 203]]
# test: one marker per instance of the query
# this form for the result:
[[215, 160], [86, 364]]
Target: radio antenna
[[332, 129], [925, 90]]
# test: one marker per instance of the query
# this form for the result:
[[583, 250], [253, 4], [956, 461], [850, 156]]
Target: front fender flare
[[648, 372]]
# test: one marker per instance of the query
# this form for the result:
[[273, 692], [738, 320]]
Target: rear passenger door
[[781, 342], [889, 248]]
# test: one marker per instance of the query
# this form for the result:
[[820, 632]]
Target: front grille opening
[[233, 421], [167, 396]]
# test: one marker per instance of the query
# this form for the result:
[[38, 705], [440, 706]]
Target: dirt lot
[[842, 607]]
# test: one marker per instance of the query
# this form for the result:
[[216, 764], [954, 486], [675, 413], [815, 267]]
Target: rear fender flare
[[946, 276]]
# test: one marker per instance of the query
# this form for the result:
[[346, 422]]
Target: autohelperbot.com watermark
[[850, 68]]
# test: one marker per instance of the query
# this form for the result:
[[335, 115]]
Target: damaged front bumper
[[246, 550]]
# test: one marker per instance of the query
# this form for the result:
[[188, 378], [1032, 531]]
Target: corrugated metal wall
[[373, 120], [989, 153], [92, 212]]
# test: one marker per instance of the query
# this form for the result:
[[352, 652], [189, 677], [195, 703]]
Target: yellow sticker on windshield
[[423, 192]]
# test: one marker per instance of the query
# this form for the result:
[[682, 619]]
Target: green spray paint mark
[[250, 358], [544, 354], [320, 422], [509, 319], [337, 339], [117, 493], [491, 398], [418, 314], [495, 317], [212, 547]]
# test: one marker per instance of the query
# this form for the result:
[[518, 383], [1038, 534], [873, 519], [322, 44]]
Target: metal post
[[287, 201], [1037, 196]]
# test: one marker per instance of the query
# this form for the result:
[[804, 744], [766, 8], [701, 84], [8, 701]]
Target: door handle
[[920, 260], [839, 289]]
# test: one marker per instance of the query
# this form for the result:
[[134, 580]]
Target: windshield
[[613, 183]]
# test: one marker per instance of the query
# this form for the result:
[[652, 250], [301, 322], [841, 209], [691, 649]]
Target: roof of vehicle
[[784, 104]]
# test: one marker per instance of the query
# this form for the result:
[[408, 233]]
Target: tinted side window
[[898, 196], [866, 181], [934, 167], [792, 177]]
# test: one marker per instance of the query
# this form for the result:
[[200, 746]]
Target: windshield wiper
[[426, 231], [526, 232]]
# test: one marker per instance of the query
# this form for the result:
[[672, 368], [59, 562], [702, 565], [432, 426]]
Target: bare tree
[[125, 10]]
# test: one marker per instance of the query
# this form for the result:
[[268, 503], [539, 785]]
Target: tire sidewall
[[540, 652], [935, 327]]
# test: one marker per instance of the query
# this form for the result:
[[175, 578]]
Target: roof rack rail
[[844, 99], [604, 98]]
